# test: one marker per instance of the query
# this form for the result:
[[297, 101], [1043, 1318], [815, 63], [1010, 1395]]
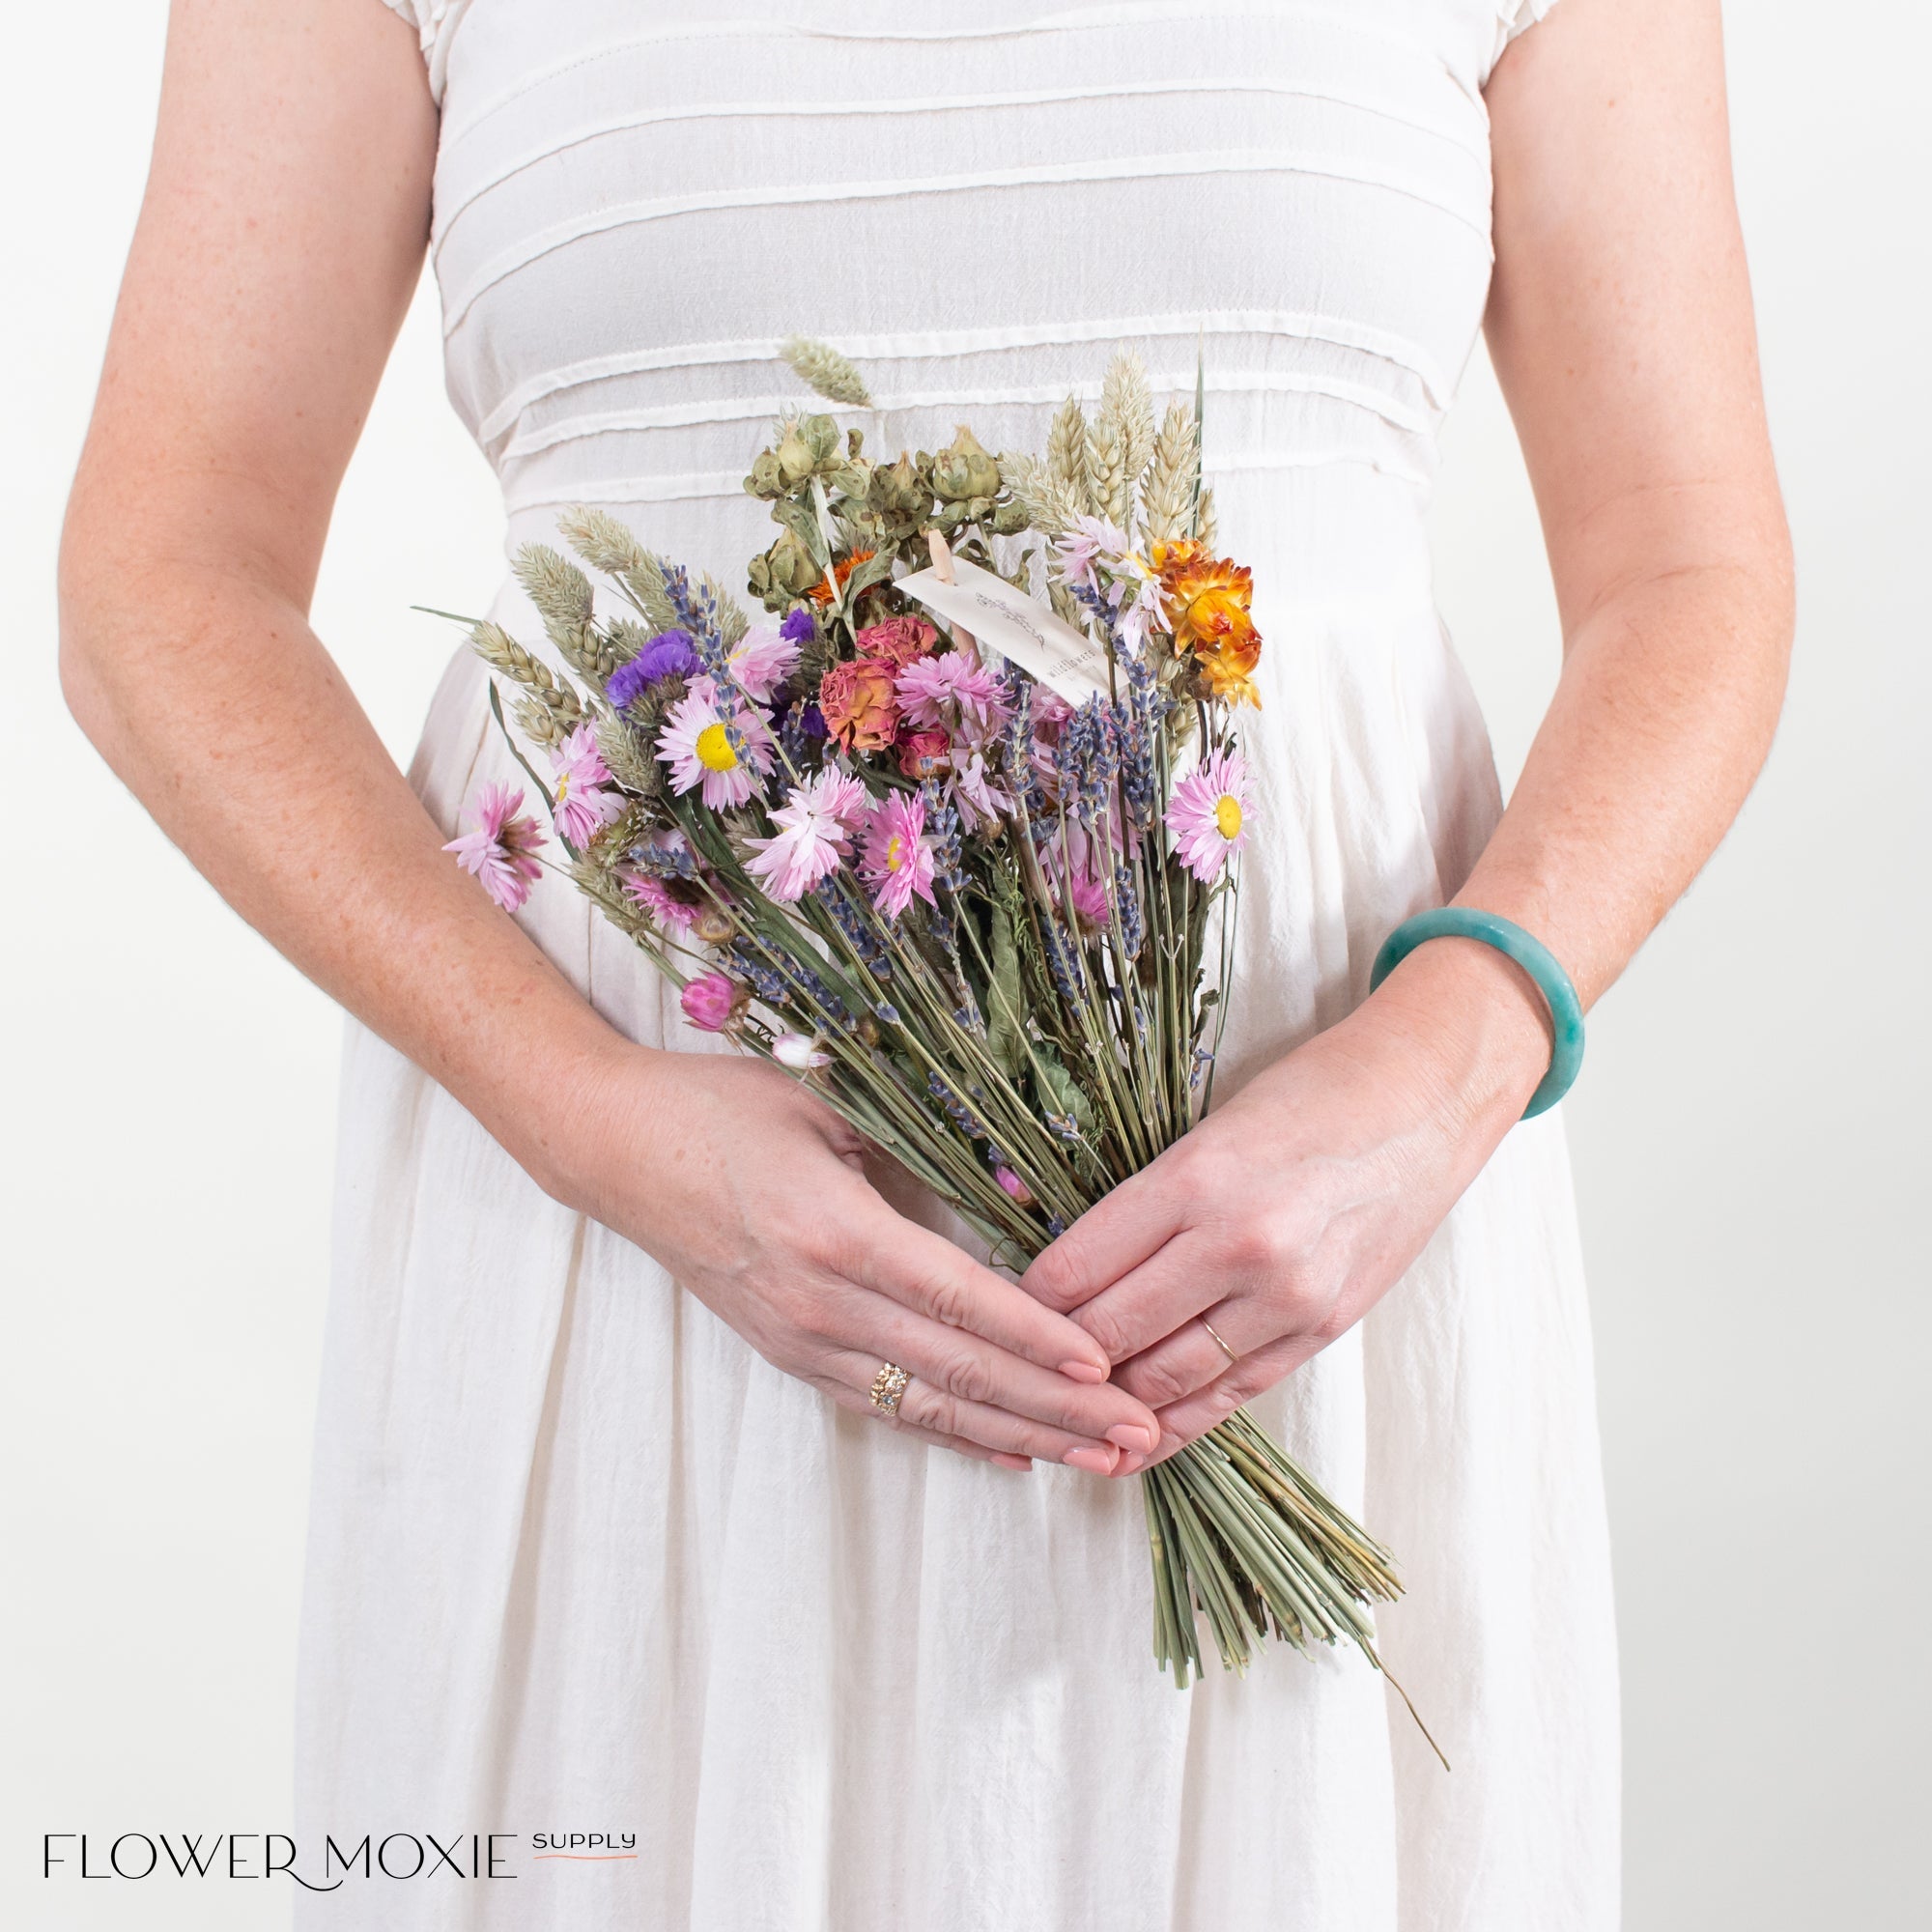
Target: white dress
[[580, 1560]]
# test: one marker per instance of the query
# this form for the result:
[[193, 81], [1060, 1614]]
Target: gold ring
[[888, 1386], [1218, 1343]]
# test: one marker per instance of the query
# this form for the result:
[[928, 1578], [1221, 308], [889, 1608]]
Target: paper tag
[[1016, 627]]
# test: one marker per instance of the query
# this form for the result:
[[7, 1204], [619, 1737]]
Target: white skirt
[[583, 1563]]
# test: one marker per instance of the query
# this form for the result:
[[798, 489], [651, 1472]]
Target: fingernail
[[1083, 1371], [1096, 1462], [1130, 1465], [1132, 1437], [1007, 1461]]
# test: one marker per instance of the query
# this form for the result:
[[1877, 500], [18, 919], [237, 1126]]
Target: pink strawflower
[[761, 660], [719, 743], [500, 850], [814, 831], [897, 859], [661, 902], [1209, 814], [711, 1001], [953, 692], [584, 804]]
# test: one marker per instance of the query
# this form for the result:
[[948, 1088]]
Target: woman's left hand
[[1293, 1208]]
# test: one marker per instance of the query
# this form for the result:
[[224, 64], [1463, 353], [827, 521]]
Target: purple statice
[[798, 627], [670, 654]]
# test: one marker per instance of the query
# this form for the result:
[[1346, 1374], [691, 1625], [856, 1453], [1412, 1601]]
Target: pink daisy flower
[[583, 804], [723, 747], [662, 904], [980, 798], [501, 851], [1088, 540], [1209, 814], [897, 859], [952, 692], [814, 835], [761, 660]]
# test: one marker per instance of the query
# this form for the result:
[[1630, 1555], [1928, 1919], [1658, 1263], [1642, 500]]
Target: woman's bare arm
[[281, 237], [1621, 326]]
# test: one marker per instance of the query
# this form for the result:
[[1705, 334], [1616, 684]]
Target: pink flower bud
[[710, 1001], [1013, 1185]]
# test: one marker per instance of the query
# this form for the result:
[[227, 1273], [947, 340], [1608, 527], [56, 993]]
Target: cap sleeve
[[435, 21]]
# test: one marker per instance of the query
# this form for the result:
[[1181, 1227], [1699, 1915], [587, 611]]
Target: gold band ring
[[1218, 1343], [888, 1386]]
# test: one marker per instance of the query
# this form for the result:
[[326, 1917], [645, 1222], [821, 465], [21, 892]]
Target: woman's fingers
[[1194, 1415], [1189, 1357], [925, 1271], [961, 1365], [1152, 1300], [978, 1451], [1119, 1233], [926, 1406]]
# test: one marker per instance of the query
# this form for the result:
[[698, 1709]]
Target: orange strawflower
[[1208, 604], [821, 591]]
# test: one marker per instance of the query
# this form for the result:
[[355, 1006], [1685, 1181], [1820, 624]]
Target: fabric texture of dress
[[579, 1560]]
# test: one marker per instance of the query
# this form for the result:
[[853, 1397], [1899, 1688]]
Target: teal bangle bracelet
[[1565, 1010]]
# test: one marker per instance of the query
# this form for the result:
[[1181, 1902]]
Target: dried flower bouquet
[[954, 837]]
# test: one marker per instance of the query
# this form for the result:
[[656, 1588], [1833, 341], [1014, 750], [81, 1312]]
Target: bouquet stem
[[1241, 1534]]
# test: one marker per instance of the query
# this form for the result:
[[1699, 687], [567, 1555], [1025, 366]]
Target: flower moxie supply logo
[[398, 1856]]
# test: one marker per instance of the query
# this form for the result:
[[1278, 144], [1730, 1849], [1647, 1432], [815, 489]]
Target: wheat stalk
[[821, 367], [1167, 490]]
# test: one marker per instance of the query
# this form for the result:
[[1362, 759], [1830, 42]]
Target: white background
[[1750, 1133]]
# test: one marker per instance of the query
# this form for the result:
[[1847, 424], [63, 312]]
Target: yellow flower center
[[562, 786], [894, 852], [1228, 816], [714, 750]]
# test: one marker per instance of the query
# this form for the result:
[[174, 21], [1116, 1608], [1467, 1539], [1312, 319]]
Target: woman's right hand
[[751, 1193]]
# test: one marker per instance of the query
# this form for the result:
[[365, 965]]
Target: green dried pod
[[783, 574], [821, 436], [963, 470], [898, 490], [767, 477], [1010, 519], [794, 456]]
